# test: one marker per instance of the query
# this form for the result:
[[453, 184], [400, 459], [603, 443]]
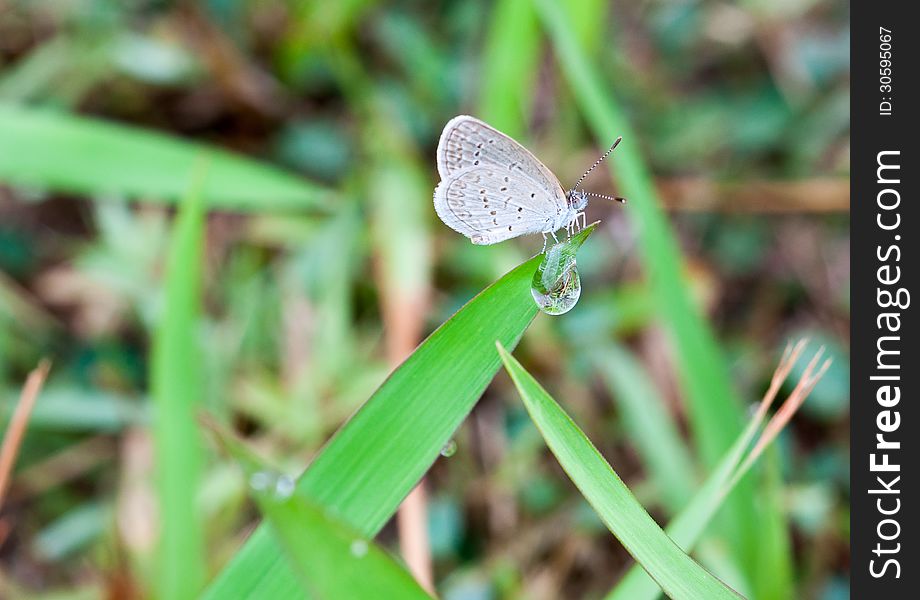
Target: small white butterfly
[[493, 189]]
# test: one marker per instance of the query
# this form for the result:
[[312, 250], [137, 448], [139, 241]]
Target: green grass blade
[[687, 527], [714, 410], [715, 413], [332, 561], [72, 154], [648, 425], [589, 22], [177, 386], [509, 66], [773, 578], [678, 575], [376, 458]]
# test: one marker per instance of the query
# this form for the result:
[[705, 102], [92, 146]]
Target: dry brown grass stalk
[[16, 430]]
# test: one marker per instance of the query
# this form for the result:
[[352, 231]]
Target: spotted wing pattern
[[492, 188], [488, 204], [468, 142]]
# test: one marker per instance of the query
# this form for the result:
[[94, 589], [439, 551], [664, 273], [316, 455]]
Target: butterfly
[[493, 189]]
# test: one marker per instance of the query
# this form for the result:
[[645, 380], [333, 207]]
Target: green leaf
[[715, 413], [678, 575], [331, 559], [589, 22], [713, 407], [177, 386], [79, 155], [509, 66], [376, 458], [687, 527]]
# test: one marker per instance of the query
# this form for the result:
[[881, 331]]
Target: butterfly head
[[578, 199]]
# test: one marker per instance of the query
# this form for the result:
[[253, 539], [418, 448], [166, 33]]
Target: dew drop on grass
[[449, 449], [556, 285], [284, 487], [358, 548], [562, 296], [279, 485], [260, 480]]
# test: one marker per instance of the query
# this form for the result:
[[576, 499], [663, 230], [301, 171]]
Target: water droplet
[[280, 485], [556, 285], [449, 449], [284, 487], [358, 548], [560, 296], [260, 480]]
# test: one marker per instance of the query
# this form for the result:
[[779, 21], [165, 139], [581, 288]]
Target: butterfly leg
[[544, 243], [555, 239]]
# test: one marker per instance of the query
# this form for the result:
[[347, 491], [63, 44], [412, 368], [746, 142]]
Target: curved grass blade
[[678, 575], [79, 155], [687, 527], [331, 560], [713, 407], [376, 458]]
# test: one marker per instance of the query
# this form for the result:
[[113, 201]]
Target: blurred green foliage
[[327, 114]]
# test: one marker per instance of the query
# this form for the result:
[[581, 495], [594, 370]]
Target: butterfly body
[[493, 189]]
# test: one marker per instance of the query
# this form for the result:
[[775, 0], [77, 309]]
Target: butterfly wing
[[467, 142], [489, 204]]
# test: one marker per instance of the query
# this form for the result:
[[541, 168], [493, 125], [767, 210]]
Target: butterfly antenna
[[597, 162], [619, 199]]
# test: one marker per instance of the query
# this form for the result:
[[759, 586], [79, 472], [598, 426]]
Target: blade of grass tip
[[331, 560], [776, 424], [714, 410], [509, 66], [678, 575], [687, 527], [176, 387], [16, 430], [790, 356], [50, 150], [648, 425], [378, 456]]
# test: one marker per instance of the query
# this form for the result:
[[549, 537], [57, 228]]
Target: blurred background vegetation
[[740, 109]]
